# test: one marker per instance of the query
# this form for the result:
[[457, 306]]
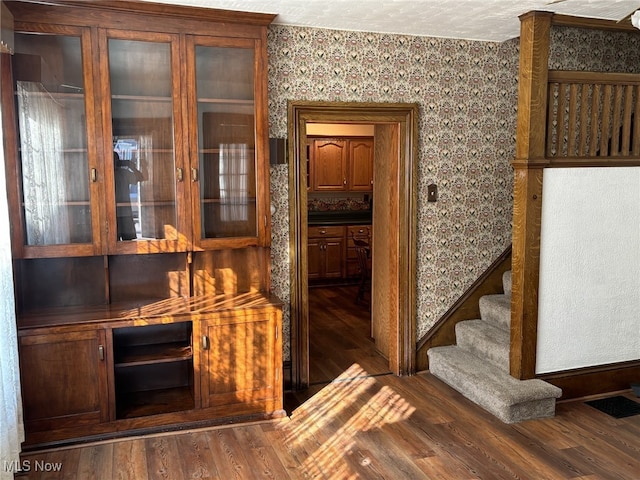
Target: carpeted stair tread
[[496, 309], [485, 341], [507, 398]]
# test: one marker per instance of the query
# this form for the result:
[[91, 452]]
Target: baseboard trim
[[587, 381]]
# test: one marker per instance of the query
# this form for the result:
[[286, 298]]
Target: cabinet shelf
[[230, 101], [250, 151], [247, 201], [72, 203], [143, 98], [56, 95], [151, 354], [66, 150], [154, 402]]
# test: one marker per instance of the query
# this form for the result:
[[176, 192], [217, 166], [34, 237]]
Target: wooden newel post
[[527, 208]]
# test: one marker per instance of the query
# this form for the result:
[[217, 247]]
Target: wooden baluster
[[561, 132], [584, 110], [595, 120], [626, 122], [604, 129], [573, 113], [616, 130]]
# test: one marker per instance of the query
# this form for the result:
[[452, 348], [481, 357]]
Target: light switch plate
[[432, 193]]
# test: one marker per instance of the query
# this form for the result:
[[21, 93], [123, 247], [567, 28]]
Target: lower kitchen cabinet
[[331, 252], [326, 252]]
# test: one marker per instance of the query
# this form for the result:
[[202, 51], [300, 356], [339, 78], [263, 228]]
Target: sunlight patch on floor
[[353, 403]]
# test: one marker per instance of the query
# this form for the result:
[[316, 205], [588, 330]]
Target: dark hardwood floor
[[363, 423], [339, 338]]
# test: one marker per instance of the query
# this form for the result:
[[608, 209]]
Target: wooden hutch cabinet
[[136, 145]]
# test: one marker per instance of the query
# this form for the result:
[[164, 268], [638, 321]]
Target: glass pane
[[143, 144], [53, 139], [226, 141]]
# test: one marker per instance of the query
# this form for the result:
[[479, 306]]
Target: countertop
[[339, 217]]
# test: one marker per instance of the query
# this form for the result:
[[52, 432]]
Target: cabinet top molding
[[149, 8]]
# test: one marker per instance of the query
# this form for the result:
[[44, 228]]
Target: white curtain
[[234, 182], [42, 157], [11, 430]]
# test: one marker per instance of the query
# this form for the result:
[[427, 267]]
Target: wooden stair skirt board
[[478, 365]]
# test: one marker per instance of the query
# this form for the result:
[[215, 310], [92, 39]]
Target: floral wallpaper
[[594, 50], [467, 93]]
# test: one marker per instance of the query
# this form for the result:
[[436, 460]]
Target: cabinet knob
[[94, 175], [180, 174], [194, 174], [344, 182], [101, 352], [323, 232], [205, 342]]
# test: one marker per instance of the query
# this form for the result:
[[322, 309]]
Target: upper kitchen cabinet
[[341, 164], [138, 128], [361, 164]]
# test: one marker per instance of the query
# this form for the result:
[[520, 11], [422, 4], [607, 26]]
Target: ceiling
[[483, 20]]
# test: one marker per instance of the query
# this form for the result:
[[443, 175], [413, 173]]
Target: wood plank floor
[[366, 424]]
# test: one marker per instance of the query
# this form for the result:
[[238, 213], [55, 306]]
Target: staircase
[[478, 365]]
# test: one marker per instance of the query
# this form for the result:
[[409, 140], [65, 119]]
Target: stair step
[[496, 309], [507, 398], [484, 340], [506, 282]]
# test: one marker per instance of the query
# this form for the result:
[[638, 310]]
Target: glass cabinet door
[[143, 122], [225, 176], [55, 171]]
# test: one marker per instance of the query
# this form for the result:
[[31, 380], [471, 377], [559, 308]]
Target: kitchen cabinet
[[326, 252], [341, 164], [328, 165], [360, 165]]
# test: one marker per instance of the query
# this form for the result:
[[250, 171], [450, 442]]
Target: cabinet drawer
[[359, 231], [329, 231]]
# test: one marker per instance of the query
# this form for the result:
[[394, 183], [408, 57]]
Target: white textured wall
[[589, 305]]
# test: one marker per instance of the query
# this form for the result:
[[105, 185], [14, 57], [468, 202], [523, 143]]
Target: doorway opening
[[394, 210]]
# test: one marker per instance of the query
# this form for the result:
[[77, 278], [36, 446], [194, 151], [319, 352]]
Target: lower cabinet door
[[64, 379], [241, 361]]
